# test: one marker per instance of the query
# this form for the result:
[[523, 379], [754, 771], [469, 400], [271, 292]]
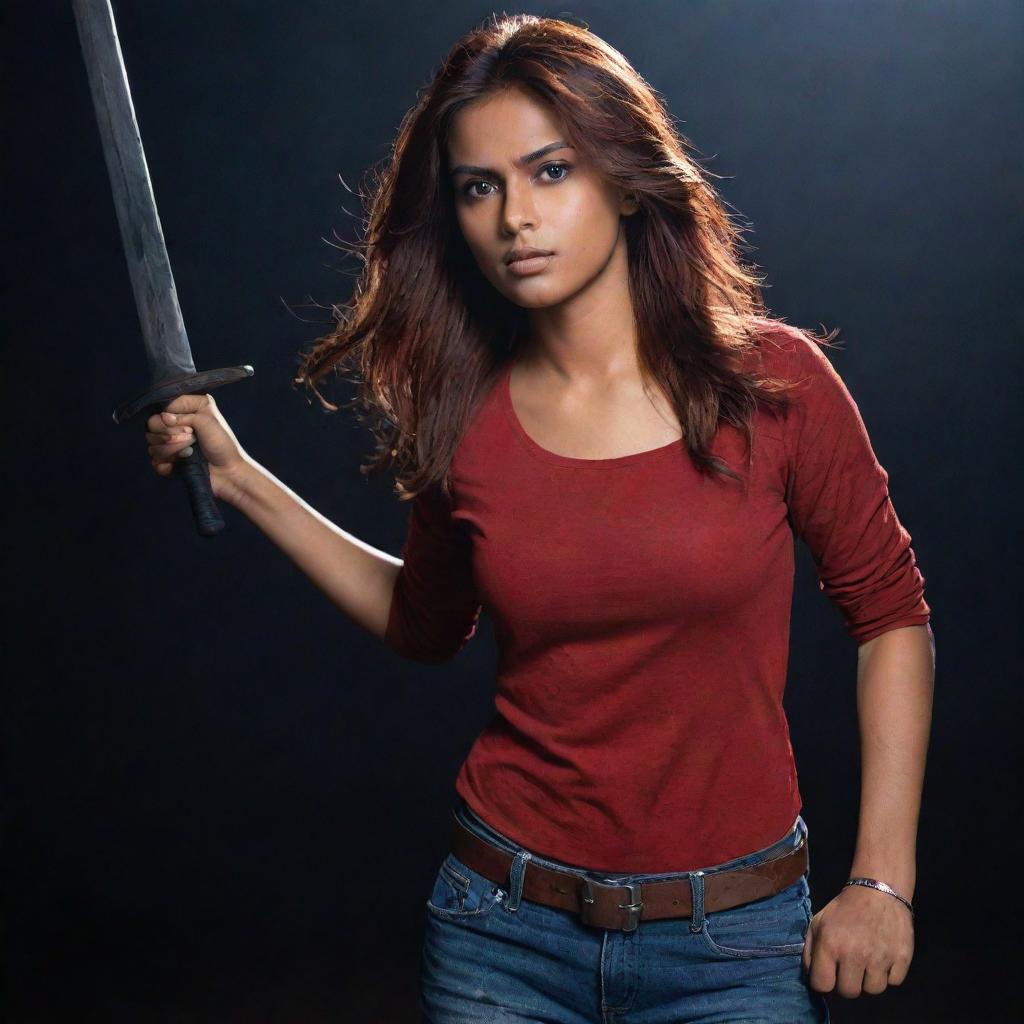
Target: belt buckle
[[635, 905]]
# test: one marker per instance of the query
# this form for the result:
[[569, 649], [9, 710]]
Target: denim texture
[[489, 955]]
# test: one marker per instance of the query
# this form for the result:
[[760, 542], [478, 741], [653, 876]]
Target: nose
[[518, 211]]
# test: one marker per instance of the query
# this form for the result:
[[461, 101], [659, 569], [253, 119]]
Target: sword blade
[[163, 330]]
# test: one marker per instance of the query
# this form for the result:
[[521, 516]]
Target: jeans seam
[[463, 880], [785, 949]]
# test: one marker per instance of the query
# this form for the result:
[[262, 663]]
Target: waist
[[793, 839]]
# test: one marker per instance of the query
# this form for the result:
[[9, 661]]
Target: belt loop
[[515, 878], [804, 831], [697, 886]]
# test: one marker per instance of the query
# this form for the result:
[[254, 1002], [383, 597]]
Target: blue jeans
[[489, 955]]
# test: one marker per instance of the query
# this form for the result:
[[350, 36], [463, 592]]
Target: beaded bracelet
[[873, 883]]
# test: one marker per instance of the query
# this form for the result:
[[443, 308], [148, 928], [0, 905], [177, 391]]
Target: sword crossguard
[[190, 384]]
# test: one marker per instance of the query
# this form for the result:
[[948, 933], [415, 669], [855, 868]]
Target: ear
[[628, 204]]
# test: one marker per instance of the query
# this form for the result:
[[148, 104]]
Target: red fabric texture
[[642, 614]]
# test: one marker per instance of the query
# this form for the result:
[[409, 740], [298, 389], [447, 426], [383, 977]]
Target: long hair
[[426, 335]]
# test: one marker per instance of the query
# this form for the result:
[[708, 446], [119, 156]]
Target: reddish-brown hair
[[427, 335]]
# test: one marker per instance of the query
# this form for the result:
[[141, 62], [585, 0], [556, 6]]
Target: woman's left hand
[[861, 941]]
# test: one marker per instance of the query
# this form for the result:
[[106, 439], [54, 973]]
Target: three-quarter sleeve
[[435, 608], [838, 504]]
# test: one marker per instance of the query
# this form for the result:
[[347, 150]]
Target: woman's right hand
[[185, 419]]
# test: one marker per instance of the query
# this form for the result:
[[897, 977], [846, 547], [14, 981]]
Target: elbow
[[901, 631], [430, 646]]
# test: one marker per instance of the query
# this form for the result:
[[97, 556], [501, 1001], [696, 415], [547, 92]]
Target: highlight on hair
[[425, 335]]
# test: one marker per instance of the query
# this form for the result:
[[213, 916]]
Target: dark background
[[223, 800]]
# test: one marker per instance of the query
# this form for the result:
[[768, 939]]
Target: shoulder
[[790, 353], [818, 402]]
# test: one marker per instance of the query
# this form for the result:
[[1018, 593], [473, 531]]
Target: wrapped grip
[[195, 471]]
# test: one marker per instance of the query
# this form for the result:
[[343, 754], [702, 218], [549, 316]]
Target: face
[[518, 184]]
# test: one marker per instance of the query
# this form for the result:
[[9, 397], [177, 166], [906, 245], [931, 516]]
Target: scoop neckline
[[545, 455]]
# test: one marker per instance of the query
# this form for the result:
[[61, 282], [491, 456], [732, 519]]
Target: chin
[[532, 302], [533, 293]]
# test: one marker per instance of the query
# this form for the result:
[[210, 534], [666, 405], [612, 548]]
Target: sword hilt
[[194, 469]]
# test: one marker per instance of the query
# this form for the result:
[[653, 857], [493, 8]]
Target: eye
[[557, 167], [470, 185]]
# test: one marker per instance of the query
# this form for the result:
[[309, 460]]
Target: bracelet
[[873, 883]]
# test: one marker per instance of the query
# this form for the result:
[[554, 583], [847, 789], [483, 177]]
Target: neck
[[591, 337]]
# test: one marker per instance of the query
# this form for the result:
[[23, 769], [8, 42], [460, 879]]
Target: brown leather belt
[[621, 906]]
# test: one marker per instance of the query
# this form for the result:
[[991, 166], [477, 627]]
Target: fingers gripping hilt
[[193, 469]]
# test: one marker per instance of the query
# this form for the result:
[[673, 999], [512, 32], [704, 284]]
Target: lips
[[530, 265], [526, 254]]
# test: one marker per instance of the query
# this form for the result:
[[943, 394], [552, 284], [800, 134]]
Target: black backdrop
[[224, 801]]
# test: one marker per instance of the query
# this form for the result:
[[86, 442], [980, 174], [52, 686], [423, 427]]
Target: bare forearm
[[895, 682], [358, 578]]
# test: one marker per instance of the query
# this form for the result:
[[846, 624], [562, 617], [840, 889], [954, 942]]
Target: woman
[[609, 444]]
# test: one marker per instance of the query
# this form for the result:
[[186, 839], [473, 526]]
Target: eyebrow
[[522, 161]]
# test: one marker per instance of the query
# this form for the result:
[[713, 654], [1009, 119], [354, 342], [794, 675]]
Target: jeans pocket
[[773, 926], [460, 892]]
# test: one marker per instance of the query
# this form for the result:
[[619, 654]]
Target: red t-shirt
[[642, 611]]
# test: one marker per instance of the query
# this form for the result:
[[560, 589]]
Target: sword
[[171, 369]]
